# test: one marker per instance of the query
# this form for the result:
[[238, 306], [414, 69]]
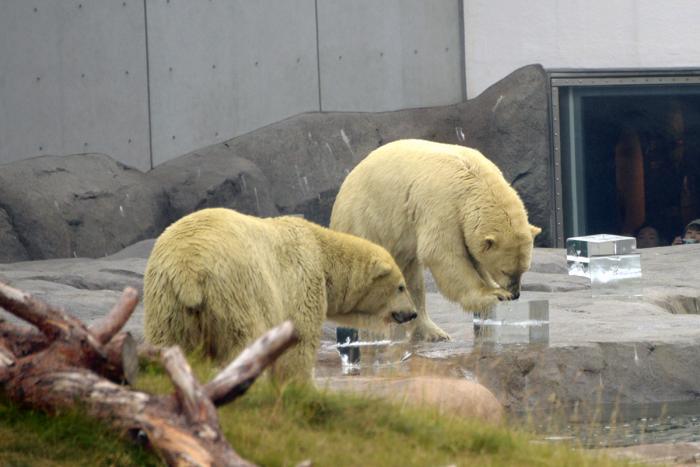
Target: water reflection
[[618, 425]]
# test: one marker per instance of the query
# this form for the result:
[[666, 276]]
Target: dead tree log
[[117, 362], [68, 369]]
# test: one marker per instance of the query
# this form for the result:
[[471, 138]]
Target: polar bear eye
[[402, 289]]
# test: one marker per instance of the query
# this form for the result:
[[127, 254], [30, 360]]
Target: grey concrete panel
[[219, 69], [389, 55], [73, 79]]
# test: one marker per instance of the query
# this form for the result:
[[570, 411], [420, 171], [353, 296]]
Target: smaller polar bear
[[444, 207], [217, 280]]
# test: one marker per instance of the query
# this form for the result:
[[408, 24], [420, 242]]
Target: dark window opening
[[630, 159]]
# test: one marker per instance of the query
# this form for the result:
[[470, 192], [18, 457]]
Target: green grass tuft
[[31, 438]]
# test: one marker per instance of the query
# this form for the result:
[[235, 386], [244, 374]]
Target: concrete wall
[[502, 35], [377, 56], [222, 68], [73, 79], [146, 81]]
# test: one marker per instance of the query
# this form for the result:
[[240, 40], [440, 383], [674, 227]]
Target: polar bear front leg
[[460, 282], [423, 328]]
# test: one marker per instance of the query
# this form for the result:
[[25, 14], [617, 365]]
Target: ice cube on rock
[[602, 270], [600, 245], [365, 348], [513, 322], [517, 312]]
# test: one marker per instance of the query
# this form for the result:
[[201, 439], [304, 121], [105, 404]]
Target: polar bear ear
[[535, 230], [380, 269], [488, 243]]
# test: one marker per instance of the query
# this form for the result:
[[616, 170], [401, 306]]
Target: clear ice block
[[605, 270], [600, 245], [513, 322], [609, 261], [363, 348]]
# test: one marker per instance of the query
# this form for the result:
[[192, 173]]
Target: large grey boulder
[[11, 249], [214, 178], [90, 205], [78, 205], [306, 158]]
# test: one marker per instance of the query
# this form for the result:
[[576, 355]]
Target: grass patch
[[283, 426], [30, 438]]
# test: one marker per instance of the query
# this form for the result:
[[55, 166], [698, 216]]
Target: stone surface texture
[[89, 205], [74, 206]]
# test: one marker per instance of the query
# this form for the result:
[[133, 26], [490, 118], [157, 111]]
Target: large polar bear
[[444, 207], [218, 279]]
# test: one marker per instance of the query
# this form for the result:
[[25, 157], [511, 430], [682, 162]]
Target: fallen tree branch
[[236, 378], [106, 328], [66, 370]]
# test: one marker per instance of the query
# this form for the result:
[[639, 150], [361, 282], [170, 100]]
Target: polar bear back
[[234, 269], [415, 184]]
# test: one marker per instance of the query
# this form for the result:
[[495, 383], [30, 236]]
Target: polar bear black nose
[[403, 316], [514, 289]]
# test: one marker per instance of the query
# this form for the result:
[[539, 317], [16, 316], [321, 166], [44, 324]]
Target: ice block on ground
[[603, 270], [600, 245], [609, 261], [363, 348], [513, 322]]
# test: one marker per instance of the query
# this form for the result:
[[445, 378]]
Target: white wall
[[221, 69], [145, 81], [503, 35], [378, 56], [73, 79]]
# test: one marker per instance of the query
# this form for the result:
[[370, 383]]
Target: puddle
[[619, 425]]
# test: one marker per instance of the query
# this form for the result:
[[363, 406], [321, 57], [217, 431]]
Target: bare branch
[[235, 379], [110, 325], [182, 428], [196, 405], [122, 359], [47, 319]]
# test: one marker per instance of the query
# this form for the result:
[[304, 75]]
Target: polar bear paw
[[501, 295], [429, 332]]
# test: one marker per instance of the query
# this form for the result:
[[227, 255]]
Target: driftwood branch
[[47, 319], [70, 362], [236, 378], [106, 328], [195, 404]]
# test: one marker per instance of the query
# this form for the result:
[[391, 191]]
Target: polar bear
[[218, 279], [444, 207]]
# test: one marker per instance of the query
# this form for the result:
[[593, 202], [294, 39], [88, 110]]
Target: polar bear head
[[387, 298], [376, 295], [502, 256]]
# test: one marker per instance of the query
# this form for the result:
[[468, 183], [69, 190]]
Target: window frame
[[569, 78]]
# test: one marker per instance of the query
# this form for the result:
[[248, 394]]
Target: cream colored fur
[[218, 279], [444, 207]]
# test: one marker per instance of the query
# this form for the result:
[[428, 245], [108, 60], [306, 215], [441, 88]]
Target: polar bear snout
[[404, 316], [514, 289]]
